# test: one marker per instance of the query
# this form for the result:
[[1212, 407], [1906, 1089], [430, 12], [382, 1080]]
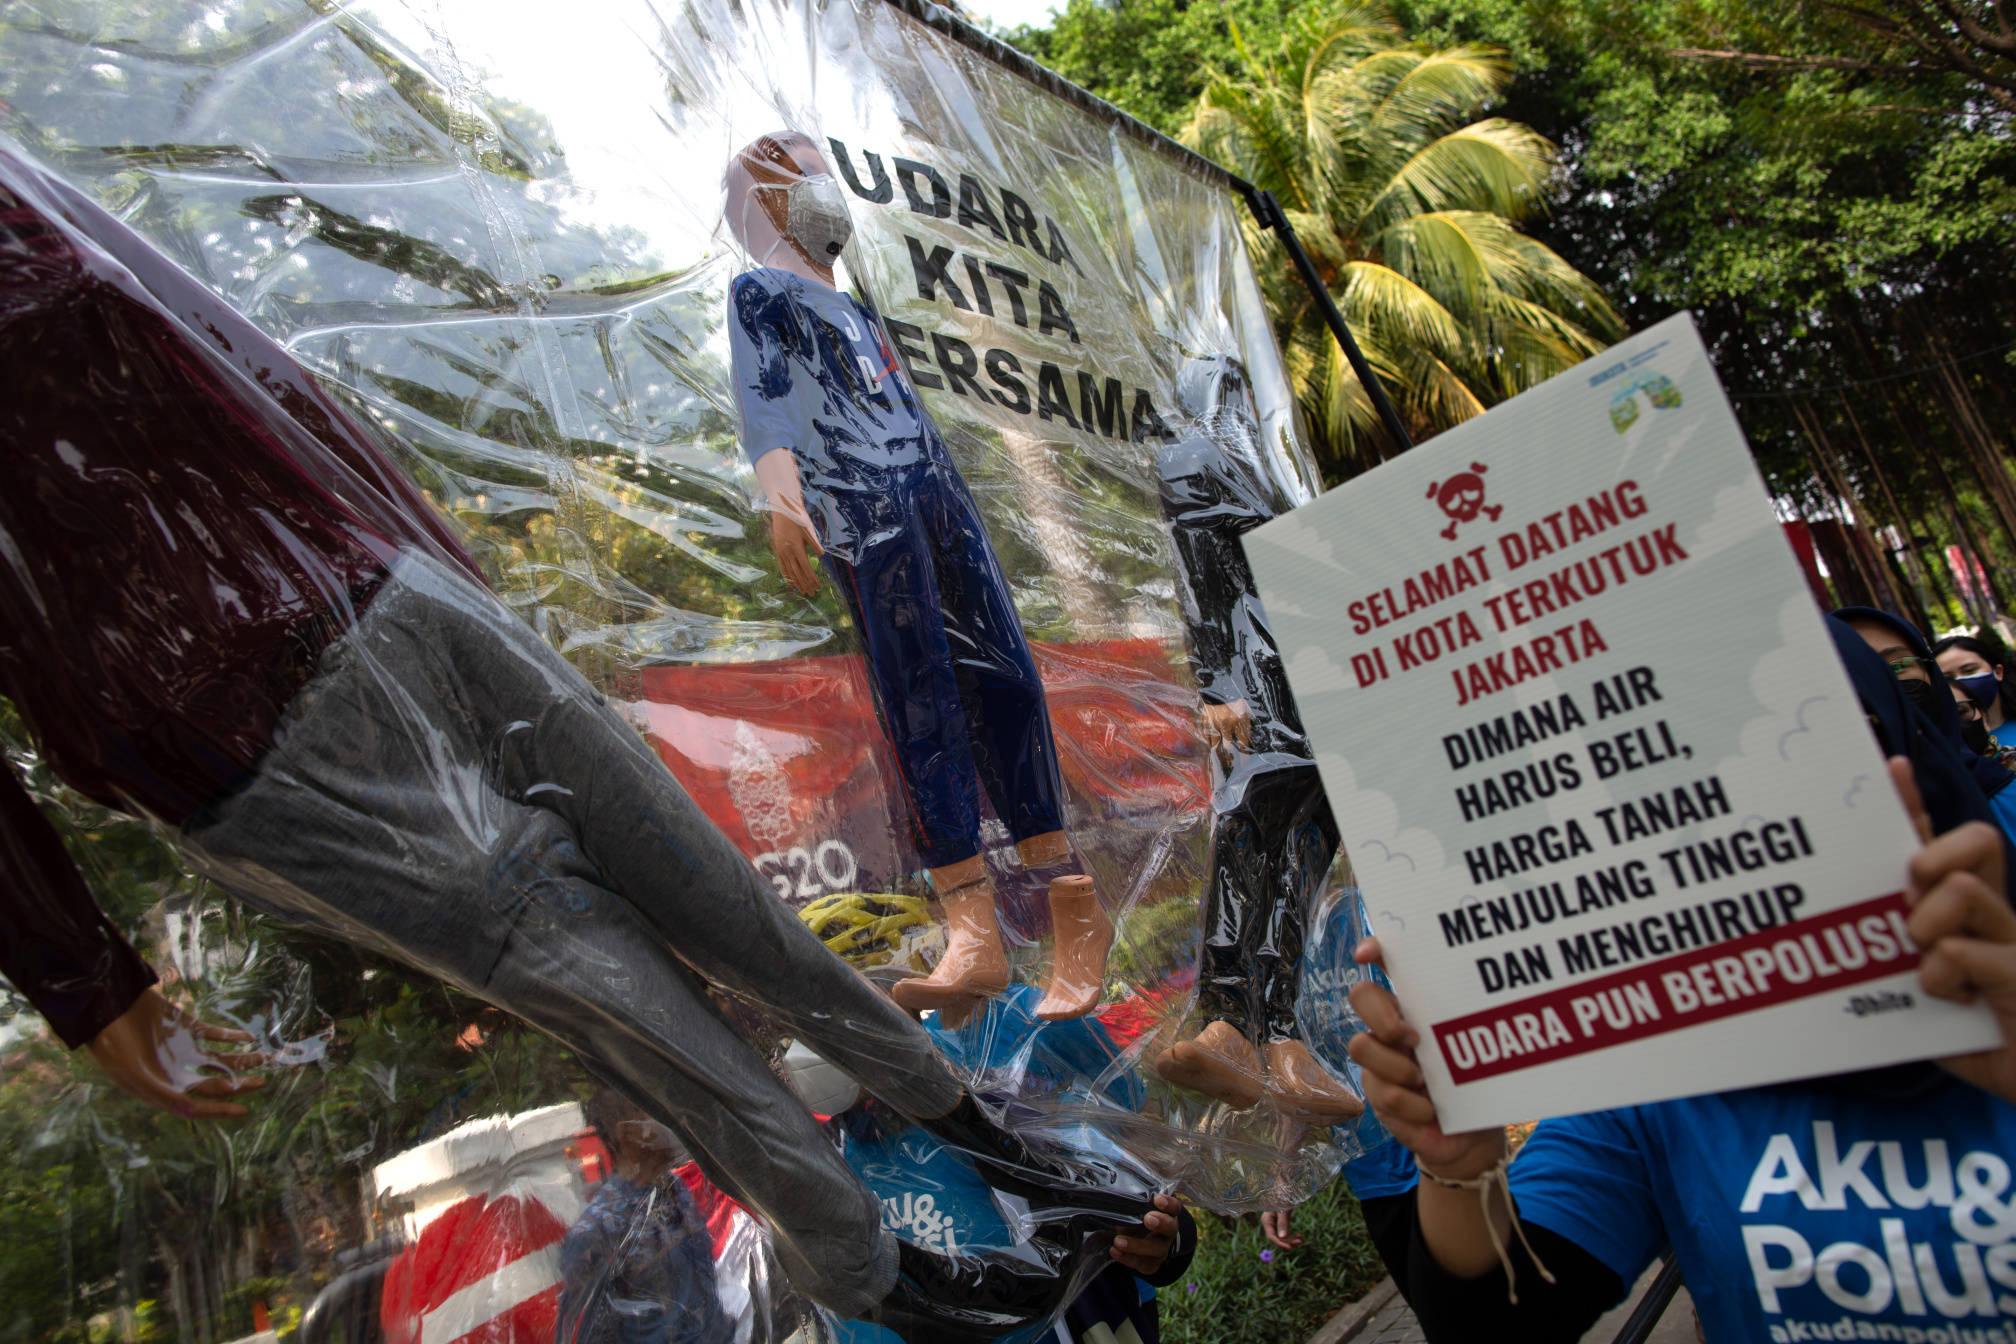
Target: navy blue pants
[[955, 684]]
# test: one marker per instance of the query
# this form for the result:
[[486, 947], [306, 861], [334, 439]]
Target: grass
[[1240, 1289]]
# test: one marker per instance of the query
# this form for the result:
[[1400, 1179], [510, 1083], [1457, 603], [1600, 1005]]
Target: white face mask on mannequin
[[816, 216]]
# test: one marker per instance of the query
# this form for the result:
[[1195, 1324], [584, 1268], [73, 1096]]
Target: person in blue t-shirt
[[931, 1196], [1873, 1205], [857, 473]]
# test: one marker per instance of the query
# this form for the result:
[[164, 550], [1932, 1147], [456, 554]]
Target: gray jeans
[[447, 790]]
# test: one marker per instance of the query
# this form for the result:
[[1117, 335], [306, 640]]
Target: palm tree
[[1410, 210]]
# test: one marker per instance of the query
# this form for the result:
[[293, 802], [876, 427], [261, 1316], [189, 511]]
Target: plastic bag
[[502, 251]]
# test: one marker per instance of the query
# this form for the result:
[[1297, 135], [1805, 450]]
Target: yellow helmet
[[867, 928]]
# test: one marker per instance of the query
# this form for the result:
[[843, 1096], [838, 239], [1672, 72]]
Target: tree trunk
[[1982, 449], [1914, 429], [1875, 583], [1920, 573]]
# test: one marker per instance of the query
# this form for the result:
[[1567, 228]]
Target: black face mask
[[1922, 694], [1975, 734]]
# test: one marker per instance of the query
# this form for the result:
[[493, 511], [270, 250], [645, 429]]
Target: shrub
[[1240, 1288]]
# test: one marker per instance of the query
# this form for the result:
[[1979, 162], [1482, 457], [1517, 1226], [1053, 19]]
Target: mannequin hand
[[791, 533], [1966, 930], [1226, 725], [790, 539], [1396, 1089], [151, 1052], [1277, 1224]]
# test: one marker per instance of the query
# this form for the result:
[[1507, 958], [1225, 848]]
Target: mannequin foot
[[1084, 937], [955, 998], [1042, 851], [1301, 1088], [1220, 1063], [973, 967]]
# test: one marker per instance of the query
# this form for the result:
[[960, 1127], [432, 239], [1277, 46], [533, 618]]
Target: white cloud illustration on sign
[[1781, 683], [1389, 861], [1299, 538], [1278, 607], [1312, 671], [1740, 512]]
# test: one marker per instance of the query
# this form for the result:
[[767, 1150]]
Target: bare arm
[[1454, 1223]]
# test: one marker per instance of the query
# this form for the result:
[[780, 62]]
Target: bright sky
[[602, 88], [1012, 13]]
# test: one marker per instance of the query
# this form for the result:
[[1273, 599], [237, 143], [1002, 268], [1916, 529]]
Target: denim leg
[[652, 844], [1008, 719], [403, 806], [892, 593], [602, 981]]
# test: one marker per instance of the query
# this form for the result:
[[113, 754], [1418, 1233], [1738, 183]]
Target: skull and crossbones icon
[[1462, 498]]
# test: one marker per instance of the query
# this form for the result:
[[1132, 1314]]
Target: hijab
[[1991, 776], [1951, 794]]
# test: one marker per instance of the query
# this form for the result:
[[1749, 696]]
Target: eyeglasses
[[1903, 667], [1969, 711]]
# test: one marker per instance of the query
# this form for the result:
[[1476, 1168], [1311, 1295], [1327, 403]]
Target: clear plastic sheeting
[[536, 778]]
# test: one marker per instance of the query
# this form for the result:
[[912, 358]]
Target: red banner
[[1856, 943], [788, 758]]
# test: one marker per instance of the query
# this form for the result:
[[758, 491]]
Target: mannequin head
[[1212, 382], [761, 202], [1216, 393]]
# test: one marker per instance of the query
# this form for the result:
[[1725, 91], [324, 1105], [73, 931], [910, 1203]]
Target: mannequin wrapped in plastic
[[1274, 835], [223, 608], [857, 473]]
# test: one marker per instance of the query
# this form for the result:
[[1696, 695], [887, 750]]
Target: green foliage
[[1411, 210], [1415, 207], [1725, 183], [1231, 1293], [1829, 188], [1148, 57], [1837, 220]]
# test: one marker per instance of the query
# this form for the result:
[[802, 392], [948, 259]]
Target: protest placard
[[1619, 818]]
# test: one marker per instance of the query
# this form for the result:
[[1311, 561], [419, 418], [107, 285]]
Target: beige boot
[[1220, 1063], [1301, 1089], [1078, 965], [973, 967]]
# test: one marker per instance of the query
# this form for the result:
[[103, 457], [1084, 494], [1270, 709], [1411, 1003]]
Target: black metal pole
[[1653, 1305], [1268, 211]]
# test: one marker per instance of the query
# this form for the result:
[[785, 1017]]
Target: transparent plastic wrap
[[392, 531], [1323, 1012]]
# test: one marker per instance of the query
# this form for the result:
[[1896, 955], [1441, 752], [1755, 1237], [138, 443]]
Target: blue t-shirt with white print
[[814, 373], [1798, 1213], [929, 1195]]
